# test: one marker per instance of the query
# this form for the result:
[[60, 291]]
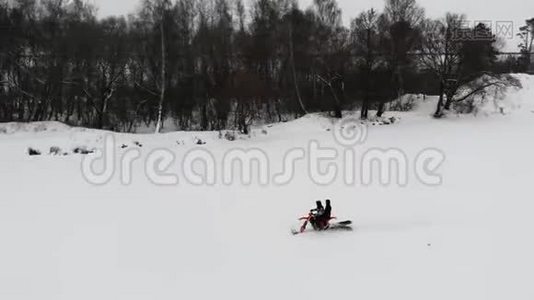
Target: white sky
[[494, 11]]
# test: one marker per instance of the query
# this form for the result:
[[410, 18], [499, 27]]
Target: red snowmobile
[[319, 224]]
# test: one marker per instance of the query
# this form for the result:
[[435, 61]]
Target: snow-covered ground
[[468, 238]]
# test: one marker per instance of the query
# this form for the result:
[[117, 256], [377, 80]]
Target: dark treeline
[[215, 64]]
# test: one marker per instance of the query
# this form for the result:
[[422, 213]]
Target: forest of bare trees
[[217, 64]]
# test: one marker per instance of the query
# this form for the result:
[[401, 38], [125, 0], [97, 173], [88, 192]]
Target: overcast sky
[[493, 11]]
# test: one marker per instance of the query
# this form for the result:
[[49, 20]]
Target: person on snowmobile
[[327, 213], [323, 219], [328, 210], [320, 218], [317, 216], [319, 210]]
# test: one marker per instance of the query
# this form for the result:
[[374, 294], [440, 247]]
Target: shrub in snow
[[468, 106], [264, 131], [82, 150], [376, 121], [199, 141], [33, 152], [390, 121], [405, 103], [55, 150], [487, 95], [230, 136]]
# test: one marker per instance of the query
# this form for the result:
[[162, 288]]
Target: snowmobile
[[310, 219]]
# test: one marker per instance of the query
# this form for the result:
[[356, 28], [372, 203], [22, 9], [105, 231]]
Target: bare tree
[[332, 49], [400, 24], [526, 34], [404, 11], [294, 69], [440, 51], [365, 42], [161, 8]]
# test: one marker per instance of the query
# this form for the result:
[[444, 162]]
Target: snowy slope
[[63, 238]]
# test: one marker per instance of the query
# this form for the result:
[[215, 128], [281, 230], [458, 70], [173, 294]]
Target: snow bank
[[49, 126], [499, 99], [407, 102]]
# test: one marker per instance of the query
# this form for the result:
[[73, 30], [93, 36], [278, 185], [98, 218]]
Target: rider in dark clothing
[[322, 220], [321, 215], [319, 209], [318, 214], [328, 211]]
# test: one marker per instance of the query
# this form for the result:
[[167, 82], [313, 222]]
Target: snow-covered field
[[468, 238]]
